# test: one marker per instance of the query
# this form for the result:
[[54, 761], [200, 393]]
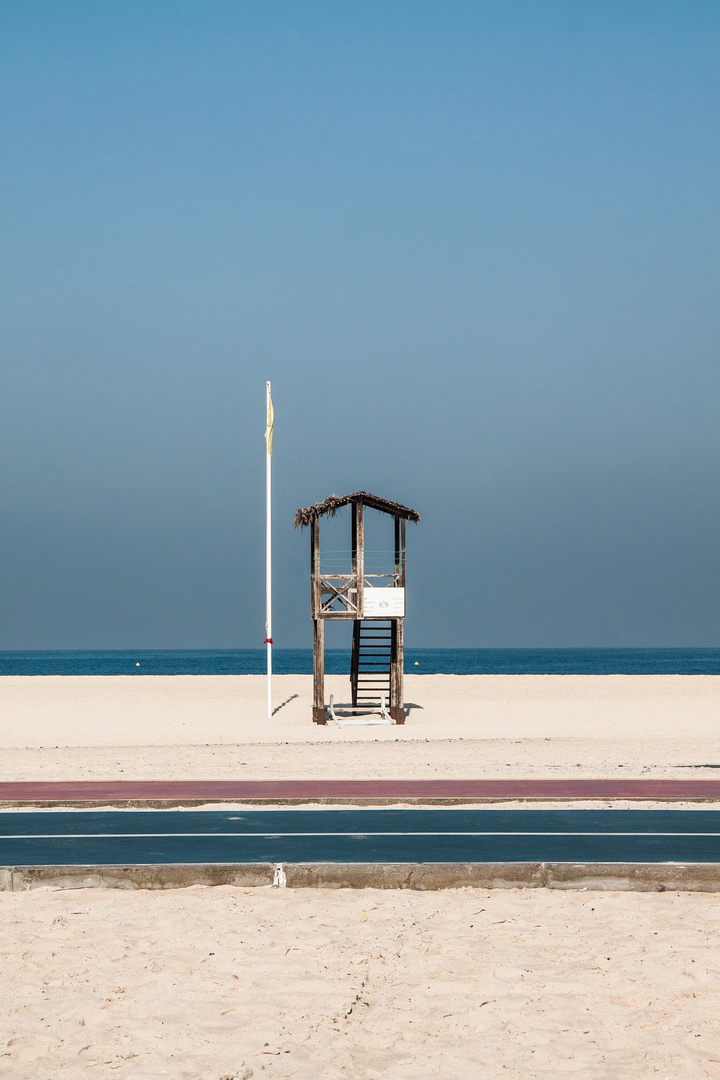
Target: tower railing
[[339, 585]]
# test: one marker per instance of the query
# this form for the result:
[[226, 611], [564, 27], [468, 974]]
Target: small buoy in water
[[137, 665], [417, 662]]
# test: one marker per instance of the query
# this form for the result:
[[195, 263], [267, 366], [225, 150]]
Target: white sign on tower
[[383, 603]]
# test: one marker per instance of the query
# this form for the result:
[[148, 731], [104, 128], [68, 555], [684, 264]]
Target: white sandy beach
[[207, 727], [208, 984], [220, 983]]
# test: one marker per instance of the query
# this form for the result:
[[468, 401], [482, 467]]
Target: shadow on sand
[[284, 703]]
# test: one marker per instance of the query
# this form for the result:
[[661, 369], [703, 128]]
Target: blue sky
[[474, 246]]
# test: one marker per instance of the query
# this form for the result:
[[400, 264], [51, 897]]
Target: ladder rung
[[372, 661]]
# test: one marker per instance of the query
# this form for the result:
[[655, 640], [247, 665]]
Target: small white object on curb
[[279, 880]]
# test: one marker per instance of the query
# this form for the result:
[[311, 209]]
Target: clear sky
[[473, 243]]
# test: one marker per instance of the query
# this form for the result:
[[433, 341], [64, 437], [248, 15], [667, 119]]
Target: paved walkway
[[299, 791]]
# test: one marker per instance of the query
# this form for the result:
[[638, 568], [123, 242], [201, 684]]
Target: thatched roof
[[331, 505]]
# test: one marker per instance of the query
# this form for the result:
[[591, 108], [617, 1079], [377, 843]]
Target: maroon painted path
[[311, 790]]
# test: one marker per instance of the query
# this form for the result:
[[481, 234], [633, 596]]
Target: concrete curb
[[639, 877]]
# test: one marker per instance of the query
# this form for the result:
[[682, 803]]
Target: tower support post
[[397, 689], [358, 556], [355, 662], [318, 625], [319, 716], [397, 662]]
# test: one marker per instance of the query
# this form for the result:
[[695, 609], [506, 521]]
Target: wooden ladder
[[370, 661]]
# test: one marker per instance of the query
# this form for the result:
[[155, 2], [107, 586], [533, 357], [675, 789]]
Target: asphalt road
[[136, 837]]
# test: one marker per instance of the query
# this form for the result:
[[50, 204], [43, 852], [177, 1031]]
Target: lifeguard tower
[[370, 592]]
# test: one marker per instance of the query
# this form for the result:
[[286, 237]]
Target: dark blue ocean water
[[337, 661]]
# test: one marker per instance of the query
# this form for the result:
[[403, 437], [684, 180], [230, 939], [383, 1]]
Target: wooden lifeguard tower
[[375, 602]]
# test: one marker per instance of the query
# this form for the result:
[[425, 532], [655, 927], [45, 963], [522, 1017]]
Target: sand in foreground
[[205, 984]]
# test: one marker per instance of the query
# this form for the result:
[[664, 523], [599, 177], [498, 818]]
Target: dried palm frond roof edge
[[330, 506]]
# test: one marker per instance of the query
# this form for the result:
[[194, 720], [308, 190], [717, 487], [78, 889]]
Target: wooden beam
[[354, 539], [355, 660], [359, 554], [340, 593], [400, 526], [315, 593], [319, 671], [397, 687]]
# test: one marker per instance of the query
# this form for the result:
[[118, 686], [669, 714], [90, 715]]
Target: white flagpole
[[268, 545]]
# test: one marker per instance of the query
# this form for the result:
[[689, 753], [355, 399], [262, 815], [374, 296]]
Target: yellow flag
[[269, 428]]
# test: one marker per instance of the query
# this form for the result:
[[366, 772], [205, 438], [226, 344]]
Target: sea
[[337, 662]]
